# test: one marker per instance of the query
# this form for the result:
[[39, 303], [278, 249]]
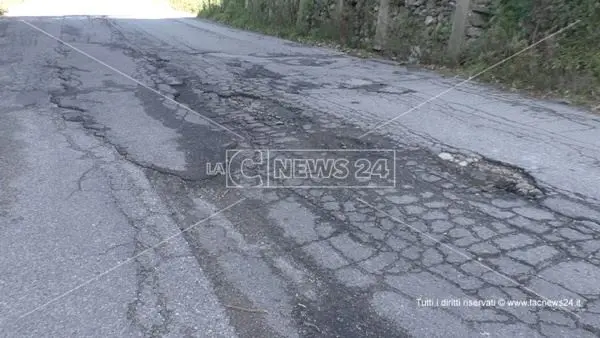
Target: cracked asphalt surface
[[497, 196]]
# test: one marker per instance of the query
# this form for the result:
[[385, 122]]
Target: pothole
[[490, 174]]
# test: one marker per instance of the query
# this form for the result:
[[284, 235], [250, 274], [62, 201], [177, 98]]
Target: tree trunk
[[342, 21], [382, 27], [459, 25], [303, 17], [339, 10]]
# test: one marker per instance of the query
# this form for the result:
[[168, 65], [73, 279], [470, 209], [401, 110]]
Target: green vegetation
[[192, 6], [566, 65], [5, 4], [273, 17]]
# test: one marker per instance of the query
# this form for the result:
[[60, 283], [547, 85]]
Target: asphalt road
[[111, 225]]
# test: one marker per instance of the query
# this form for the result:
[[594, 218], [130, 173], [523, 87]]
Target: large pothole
[[491, 174]]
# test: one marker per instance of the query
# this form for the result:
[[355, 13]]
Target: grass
[[565, 66], [233, 13]]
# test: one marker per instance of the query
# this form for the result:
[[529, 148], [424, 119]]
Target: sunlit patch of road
[[139, 9]]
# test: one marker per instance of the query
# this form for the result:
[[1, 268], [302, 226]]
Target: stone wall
[[417, 29], [481, 13], [436, 17], [432, 11]]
